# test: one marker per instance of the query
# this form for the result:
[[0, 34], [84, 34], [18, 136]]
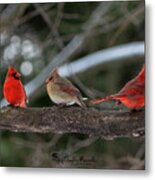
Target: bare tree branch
[[70, 49], [59, 15], [88, 121], [50, 24], [11, 14], [32, 14], [121, 52], [130, 18]]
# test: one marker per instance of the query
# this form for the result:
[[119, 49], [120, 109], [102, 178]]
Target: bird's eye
[[15, 75]]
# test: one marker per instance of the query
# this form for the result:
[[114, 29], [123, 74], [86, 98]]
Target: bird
[[13, 89], [132, 95], [62, 92]]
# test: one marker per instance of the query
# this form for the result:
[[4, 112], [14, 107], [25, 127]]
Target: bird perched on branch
[[132, 95], [13, 89], [62, 92]]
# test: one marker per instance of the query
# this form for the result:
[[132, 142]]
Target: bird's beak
[[18, 74], [47, 81]]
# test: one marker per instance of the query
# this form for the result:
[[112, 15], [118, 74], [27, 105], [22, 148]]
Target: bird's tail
[[80, 102], [84, 98], [97, 101], [114, 96]]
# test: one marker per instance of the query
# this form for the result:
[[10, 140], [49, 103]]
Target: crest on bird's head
[[142, 70], [141, 74], [55, 72], [13, 72]]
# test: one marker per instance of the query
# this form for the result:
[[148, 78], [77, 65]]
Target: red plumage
[[13, 89], [132, 94]]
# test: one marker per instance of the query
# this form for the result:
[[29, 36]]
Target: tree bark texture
[[89, 121]]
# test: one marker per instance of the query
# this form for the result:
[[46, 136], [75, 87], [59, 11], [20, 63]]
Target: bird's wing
[[132, 88], [68, 88], [26, 98]]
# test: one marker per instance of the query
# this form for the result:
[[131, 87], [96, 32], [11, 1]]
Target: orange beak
[[18, 74], [47, 81]]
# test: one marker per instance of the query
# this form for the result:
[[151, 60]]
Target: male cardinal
[[132, 94], [63, 92], [13, 89]]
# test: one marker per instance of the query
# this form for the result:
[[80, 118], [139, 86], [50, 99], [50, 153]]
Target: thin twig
[[127, 21], [50, 24]]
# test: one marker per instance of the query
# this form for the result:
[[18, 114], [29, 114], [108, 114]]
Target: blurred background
[[35, 38]]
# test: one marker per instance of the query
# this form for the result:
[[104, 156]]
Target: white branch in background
[[75, 44], [121, 52]]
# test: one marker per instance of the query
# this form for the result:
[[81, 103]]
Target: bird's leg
[[119, 104], [61, 105], [10, 105]]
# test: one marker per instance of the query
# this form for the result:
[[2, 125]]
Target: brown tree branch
[[88, 121]]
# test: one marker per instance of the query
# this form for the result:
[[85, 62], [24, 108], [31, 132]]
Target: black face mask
[[16, 77]]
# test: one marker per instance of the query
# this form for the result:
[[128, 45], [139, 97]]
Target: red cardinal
[[132, 94], [13, 89]]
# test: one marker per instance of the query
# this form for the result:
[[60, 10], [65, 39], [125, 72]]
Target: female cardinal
[[13, 89], [63, 92], [132, 94]]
